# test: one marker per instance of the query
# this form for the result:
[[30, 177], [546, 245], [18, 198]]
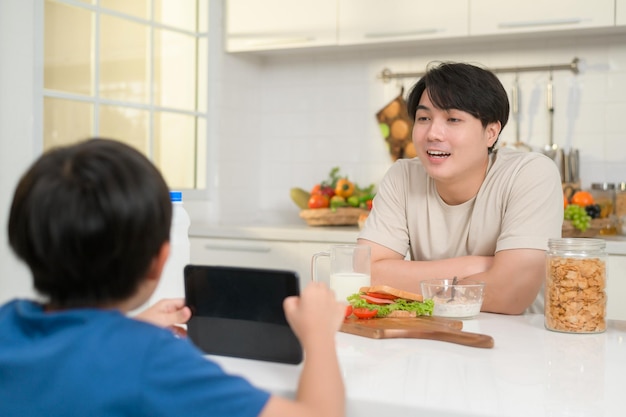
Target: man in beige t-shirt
[[462, 208]]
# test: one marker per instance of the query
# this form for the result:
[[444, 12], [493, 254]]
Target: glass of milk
[[349, 269]]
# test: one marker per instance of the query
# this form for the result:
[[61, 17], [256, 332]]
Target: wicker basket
[[568, 230], [342, 216]]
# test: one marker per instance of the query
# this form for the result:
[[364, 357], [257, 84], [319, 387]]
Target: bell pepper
[[344, 188]]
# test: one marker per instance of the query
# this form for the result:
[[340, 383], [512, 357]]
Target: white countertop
[[284, 232], [530, 372], [615, 245]]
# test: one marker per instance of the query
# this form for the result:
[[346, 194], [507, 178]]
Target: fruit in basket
[[353, 201], [317, 201], [300, 197], [344, 188], [337, 201], [323, 189]]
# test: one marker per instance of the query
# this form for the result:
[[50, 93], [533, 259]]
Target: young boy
[[92, 222], [462, 208]]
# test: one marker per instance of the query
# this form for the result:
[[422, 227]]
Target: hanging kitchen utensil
[[550, 149], [567, 168], [560, 159], [574, 161], [396, 127], [515, 109]]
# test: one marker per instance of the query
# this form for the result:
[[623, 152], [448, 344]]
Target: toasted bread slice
[[385, 289], [402, 313]]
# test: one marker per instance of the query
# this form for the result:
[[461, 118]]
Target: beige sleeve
[[534, 207]]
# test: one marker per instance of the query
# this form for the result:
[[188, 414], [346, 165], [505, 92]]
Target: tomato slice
[[380, 295], [364, 313], [376, 300], [348, 310]]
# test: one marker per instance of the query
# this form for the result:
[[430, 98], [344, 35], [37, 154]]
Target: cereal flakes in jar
[[575, 297]]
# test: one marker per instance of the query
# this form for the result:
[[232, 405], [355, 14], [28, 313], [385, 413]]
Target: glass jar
[[604, 196], [620, 206], [620, 199], [575, 297]]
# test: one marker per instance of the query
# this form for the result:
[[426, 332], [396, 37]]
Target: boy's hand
[[315, 313], [168, 313]]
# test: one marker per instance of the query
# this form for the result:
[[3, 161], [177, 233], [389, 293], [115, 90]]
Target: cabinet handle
[[258, 249], [535, 23], [403, 33], [268, 39]]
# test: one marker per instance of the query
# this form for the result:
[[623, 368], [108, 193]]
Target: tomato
[[348, 311], [376, 300], [369, 204], [364, 313], [318, 201], [326, 190]]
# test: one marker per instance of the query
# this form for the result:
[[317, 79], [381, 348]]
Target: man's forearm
[[407, 275]]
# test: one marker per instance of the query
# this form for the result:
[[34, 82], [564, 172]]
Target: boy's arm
[[315, 317], [168, 313]]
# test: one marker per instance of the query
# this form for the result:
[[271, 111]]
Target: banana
[[300, 197]]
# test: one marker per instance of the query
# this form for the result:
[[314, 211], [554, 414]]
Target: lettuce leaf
[[424, 308]]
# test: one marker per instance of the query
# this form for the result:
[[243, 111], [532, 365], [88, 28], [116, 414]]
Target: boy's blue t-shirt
[[91, 362]]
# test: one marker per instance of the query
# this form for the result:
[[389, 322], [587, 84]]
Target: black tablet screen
[[238, 312]]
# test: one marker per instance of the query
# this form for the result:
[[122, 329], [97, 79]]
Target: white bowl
[[462, 300]]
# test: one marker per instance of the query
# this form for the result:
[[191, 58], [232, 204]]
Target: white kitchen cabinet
[[244, 252], [489, 17], [616, 287], [374, 21], [253, 25], [620, 13], [270, 254]]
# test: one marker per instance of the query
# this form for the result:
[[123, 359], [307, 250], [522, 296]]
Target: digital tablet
[[238, 312]]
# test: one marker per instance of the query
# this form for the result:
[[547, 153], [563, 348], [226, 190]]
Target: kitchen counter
[[615, 245], [282, 232], [530, 372]]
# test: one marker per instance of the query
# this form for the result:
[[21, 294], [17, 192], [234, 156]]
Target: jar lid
[[603, 186], [577, 243]]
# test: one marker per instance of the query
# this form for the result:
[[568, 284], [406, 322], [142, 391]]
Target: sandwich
[[385, 301]]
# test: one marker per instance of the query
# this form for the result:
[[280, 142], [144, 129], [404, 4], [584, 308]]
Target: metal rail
[[386, 75]]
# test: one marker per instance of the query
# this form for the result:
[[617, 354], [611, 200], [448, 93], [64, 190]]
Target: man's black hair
[[465, 87]]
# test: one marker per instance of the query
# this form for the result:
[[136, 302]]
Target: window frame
[[41, 93]]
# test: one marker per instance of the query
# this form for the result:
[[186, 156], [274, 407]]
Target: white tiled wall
[[285, 120]]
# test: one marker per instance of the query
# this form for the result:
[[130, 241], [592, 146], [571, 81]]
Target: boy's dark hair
[[88, 219], [465, 87]]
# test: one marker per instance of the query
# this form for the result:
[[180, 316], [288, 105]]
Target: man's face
[[451, 144]]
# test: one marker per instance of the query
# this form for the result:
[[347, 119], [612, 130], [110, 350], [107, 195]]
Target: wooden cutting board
[[434, 328]]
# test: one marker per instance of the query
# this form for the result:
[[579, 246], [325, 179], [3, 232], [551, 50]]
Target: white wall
[[17, 145], [289, 118]]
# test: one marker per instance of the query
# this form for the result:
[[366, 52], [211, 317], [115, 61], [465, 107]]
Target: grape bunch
[[578, 216], [593, 210]]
